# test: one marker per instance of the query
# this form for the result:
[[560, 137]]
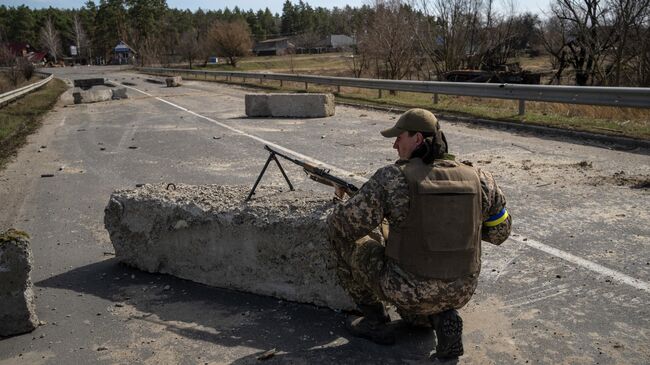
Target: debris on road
[[267, 354]]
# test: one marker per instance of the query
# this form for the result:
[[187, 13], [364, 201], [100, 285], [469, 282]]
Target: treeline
[[589, 42], [157, 31]]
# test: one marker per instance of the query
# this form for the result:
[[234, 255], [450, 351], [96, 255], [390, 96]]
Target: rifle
[[315, 173]]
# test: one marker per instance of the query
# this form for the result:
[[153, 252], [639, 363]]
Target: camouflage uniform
[[369, 276]]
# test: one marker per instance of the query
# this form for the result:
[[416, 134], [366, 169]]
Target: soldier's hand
[[339, 192]]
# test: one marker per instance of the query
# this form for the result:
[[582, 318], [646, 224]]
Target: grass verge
[[23, 117]]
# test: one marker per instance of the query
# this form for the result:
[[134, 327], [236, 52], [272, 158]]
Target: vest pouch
[[451, 204]]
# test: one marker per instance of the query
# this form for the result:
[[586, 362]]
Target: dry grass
[[23, 117], [6, 84]]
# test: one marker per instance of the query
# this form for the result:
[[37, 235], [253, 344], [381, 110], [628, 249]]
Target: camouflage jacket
[[386, 195]]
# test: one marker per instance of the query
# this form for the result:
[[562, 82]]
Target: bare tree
[[359, 63], [386, 42], [448, 32], [189, 45], [50, 39], [589, 31], [630, 33], [554, 42], [79, 37], [231, 39]]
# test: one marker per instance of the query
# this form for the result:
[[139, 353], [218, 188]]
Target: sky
[[275, 6]]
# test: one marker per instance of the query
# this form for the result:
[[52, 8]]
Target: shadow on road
[[299, 333]]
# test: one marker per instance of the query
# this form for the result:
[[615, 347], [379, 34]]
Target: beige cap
[[414, 120]]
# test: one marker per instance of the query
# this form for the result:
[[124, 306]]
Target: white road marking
[[589, 265], [616, 275]]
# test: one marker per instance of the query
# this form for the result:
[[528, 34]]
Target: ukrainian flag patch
[[496, 219]]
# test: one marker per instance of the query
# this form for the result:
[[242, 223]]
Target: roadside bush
[[7, 58], [25, 68]]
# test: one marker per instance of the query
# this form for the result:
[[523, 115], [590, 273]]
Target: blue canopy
[[122, 48]]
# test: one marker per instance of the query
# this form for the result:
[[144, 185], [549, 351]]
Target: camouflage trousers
[[369, 277]]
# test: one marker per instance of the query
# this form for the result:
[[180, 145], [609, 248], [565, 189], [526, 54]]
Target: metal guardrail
[[12, 95], [635, 97]]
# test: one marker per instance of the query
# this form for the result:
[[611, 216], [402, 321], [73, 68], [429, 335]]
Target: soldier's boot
[[374, 325], [449, 332]]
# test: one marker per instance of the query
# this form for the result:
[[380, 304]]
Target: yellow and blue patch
[[496, 219]]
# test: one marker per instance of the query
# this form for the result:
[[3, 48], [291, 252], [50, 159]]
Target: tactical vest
[[441, 236]]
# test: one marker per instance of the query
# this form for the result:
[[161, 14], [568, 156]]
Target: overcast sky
[[533, 6]]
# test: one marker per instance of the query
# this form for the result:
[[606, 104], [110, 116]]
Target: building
[[336, 42], [273, 47], [123, 54], [331, 43]]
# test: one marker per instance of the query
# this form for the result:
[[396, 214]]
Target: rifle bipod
[[268, 160]]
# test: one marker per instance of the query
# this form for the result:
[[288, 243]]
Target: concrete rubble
[[173, 81], [274, 245], [119, 93], [290, 105], [17, 309], [99, 94]]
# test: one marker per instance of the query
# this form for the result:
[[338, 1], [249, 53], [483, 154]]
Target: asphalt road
[[572, 285]]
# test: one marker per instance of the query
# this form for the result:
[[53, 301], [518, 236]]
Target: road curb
[[598, 140]]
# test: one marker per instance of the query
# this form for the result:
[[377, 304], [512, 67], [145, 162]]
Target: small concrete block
[[275, 244], [17, 309], [119, 93], [88, 83], [290, 105], [173, 81]]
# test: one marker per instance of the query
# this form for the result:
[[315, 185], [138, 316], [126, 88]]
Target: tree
[[189, 45], [448, 32], [231, 39], [589, 32], [288, 19], [50, 39], [385, 42], [79, 37], [632, 21], [110, 26]]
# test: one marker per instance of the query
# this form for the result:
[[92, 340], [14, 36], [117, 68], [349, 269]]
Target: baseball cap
[[415, 120]]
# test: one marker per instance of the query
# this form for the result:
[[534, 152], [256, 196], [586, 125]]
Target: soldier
[[411, 236]]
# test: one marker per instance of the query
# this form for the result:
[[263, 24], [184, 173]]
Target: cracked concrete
[[273, 245]]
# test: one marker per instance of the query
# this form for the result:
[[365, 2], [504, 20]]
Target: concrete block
[[92, 95], [17, 310], [274, 245], [88, 83], [290, 105], [119, 93], [173, 81]]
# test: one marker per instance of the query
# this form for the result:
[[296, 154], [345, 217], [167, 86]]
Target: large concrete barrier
[[17, 309], [92, 95], [273, 245], [290, 105], [99, 94]]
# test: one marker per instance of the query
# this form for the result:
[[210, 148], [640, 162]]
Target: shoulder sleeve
[[359, 215], [497, 221]]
